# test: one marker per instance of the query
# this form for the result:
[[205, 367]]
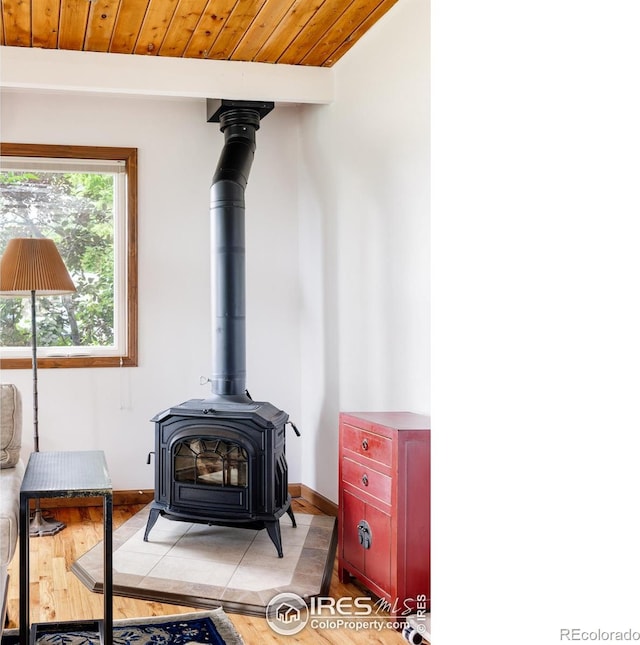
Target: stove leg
[[273, 529], [153, 518], [290, 514]]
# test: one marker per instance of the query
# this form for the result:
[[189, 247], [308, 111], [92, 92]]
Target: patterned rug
[[207, 627]]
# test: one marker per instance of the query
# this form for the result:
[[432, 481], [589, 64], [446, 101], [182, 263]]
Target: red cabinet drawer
[[367, 480], [367, 444]]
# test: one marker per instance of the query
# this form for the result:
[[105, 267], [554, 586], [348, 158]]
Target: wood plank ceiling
[[296, 32]]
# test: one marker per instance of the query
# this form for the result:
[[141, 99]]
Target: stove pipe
[[239, 121]]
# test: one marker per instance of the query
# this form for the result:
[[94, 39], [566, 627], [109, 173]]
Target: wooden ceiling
[[296, 32]]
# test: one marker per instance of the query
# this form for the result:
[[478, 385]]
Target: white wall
[[110, 408], [364, 222], [337, 256]]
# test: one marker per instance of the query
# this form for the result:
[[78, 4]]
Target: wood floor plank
[[57, 594]]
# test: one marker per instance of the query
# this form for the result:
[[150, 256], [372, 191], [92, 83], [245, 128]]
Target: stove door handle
[[293, 425]]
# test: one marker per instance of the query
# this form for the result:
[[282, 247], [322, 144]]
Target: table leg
[[108, 569], [24, 570]]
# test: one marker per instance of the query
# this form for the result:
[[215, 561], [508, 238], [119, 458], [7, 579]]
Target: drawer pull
[[365, 480], [364, 534], [365, 444]]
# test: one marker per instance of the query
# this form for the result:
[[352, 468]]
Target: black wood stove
[[221, 460]]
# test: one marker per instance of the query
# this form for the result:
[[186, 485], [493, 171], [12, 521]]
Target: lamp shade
[[33, 264]]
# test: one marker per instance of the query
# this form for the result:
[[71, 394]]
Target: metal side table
[[66, 474]]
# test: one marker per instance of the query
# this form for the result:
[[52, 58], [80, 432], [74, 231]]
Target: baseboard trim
[[325, 505], [132, 497]]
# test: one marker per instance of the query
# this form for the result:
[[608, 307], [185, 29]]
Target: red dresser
[[384, 514]]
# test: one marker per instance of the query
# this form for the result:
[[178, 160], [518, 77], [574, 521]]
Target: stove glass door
[[210, 462]]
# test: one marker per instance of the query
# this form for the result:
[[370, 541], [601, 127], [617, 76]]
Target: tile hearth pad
[[211, 566]]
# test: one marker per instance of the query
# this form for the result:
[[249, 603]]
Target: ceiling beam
[[95, 72]]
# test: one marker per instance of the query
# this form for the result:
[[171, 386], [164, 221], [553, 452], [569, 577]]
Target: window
[[85, 199]]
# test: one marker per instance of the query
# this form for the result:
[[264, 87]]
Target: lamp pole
[[34, 369], [38, 526]]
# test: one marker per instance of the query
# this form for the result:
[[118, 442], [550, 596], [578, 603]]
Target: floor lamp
[[30, 267]]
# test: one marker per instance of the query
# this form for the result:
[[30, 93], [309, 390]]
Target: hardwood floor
[[58, 595]]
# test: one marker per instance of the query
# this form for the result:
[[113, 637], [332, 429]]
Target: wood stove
[[221, 460], [224, 465]]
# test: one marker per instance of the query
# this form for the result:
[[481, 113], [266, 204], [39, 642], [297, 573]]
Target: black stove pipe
[[239, 121]]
